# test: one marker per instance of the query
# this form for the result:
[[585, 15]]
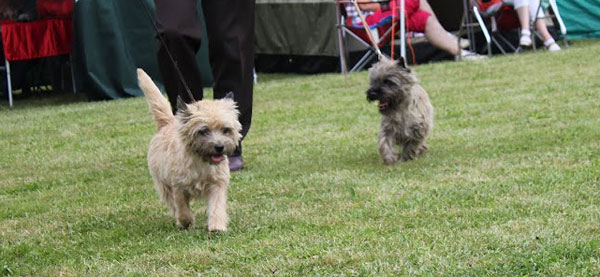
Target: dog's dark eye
[[227, 131], [202, 132], [388, 82]]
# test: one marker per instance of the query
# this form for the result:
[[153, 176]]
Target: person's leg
[[424, 6], [541, 27], [536, 13], [230, 27], [179, 26], [435, 32], [523, 14], [440, 38], [522, 9]]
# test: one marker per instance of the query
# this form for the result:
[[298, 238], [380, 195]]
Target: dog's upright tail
[[158, 104]]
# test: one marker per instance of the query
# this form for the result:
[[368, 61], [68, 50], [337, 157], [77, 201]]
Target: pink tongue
[[383, 105], [216, 158]]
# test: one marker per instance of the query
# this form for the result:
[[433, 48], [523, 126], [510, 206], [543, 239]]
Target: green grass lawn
[[509, 187]]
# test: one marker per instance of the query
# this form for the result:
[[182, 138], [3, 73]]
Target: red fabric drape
[[36, 39], [50, 35], [54, 8]]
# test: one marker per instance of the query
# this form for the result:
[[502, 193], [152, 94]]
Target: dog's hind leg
[[217, 208], [166, 194], [422, 149], [410, 151], [415, 145], [183, 214], [386, 150]]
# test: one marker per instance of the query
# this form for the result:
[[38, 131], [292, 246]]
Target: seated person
[[18, 10], [526, 9], [9, 9], [419, 18]]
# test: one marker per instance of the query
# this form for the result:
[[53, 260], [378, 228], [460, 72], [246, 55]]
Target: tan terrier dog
[[406, 112], [188, 156]]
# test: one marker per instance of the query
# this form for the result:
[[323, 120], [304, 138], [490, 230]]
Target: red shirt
[[486, 5]]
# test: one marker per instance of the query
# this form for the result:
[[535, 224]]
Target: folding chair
[[476, 15], [381, 33], [502, 17], [550, 10]]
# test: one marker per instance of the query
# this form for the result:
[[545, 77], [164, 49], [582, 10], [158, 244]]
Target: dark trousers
[[230, 31]]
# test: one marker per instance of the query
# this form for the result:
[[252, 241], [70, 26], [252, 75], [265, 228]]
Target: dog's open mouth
[[217, 158], [383, 105]]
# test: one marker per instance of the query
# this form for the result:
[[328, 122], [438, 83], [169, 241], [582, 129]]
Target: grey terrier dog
[[406, 112]]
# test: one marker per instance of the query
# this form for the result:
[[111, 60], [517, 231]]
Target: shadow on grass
[[41, 99], [274, 77]]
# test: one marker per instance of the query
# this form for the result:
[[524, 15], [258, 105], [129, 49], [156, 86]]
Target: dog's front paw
[[406, 159], [389, 159], [408, 154], [217, 227], [217, 222], [422, 149], [185, 222]]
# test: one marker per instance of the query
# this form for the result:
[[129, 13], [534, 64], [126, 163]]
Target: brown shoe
[[236, 163]]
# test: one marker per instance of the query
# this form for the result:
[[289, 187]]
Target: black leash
[[164, 44]]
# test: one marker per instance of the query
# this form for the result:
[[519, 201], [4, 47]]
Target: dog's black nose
[[372, 95], [219, 148]]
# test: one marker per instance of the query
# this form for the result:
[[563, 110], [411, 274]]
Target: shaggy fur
[[188, 155], [406, 112]]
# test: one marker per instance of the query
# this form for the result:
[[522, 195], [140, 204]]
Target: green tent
[[581, 17], [111, 39], [296, 27]]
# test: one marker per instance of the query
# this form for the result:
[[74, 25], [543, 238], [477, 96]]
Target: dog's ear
[[402, 63], [183, 111], [228, 96]]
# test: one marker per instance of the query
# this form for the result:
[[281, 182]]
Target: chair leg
[[370, 51], [459, 34], [495, 42], [342, 52], [563, 29], [402, 30], [533, 22], [363, 61], [470, 31], [465, 26], [8, 82], [533, 34], [483, 27], [62, 76], [506, 41], [73, 74], [341, 42]]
